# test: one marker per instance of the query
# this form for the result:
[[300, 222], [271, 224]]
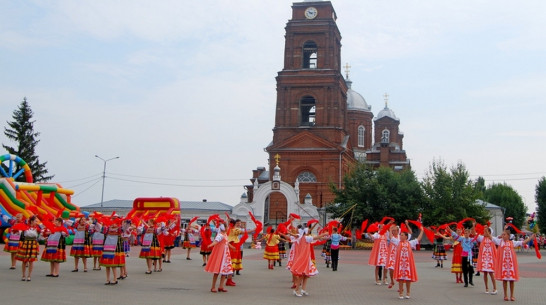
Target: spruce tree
[[21, 131]]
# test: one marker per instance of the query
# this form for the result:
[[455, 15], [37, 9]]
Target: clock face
[[311, 13]]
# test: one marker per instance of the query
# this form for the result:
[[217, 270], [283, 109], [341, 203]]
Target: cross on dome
[[347, 70]]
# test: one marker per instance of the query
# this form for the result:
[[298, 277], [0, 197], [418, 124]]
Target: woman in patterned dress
[[506, 268], [81, 247], [487, 258], [112, 255], [394, 239], [378, 256], [14, 238], [219, 262], [150, 249], [302, 266], [28, 247], [404, 267], [457, 259], [439, 253], [54, 251]]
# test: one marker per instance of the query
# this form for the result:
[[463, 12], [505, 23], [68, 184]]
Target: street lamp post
[[104, 176]]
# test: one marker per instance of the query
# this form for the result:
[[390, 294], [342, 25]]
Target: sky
[[183, 92]]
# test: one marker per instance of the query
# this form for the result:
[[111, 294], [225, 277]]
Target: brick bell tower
[[310, 135]]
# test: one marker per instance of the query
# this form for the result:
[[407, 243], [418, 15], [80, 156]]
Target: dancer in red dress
[[404, 267], [302, 266], [487, 258], [457, 259], [506, 269], [394, 239], [379, 255], [219, 262]]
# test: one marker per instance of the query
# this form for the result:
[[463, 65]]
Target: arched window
[[385, 136], [307, 177], [307, 110], [310, 55], [361, 130]]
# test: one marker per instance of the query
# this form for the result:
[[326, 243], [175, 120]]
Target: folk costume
[[457, 261], [81, 246], [302, 264], [271, 252], [487, 257], [14, 236], [150, 243], [206, 234], [404, 266], [468, 269], [28, 248], [113, 255], [439, 253], [220, 259], [236, 257], [97, 240], [506, 267], [55, 248], [379, 254]]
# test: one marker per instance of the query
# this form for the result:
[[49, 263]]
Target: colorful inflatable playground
[[49, 200], [28, 198]]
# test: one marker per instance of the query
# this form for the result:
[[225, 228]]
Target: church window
[[361, 130], [307, 109], [385, 136], [310, 55], [307, 177]]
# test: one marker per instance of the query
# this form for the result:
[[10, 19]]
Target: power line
[[172, 184], [176, 179]]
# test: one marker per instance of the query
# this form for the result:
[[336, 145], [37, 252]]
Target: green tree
[[374, 194], [450, 195], [21, 131], [540, 198], [505, 196]]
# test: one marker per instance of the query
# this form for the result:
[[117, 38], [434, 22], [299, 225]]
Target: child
[[404, 267], [506, 268]]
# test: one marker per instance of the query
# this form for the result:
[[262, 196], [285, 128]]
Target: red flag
[[403, 228], [429, 234], [537, 247], [363, 226]]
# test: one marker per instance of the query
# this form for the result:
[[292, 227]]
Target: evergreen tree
[[540, 198], [21, 131]]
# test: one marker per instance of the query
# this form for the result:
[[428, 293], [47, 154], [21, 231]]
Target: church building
[[322, 126]]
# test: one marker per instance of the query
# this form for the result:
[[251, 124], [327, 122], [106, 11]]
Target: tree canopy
[[375, 194], [450, 195], [21, 131], [505, 196], [540, 198]]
